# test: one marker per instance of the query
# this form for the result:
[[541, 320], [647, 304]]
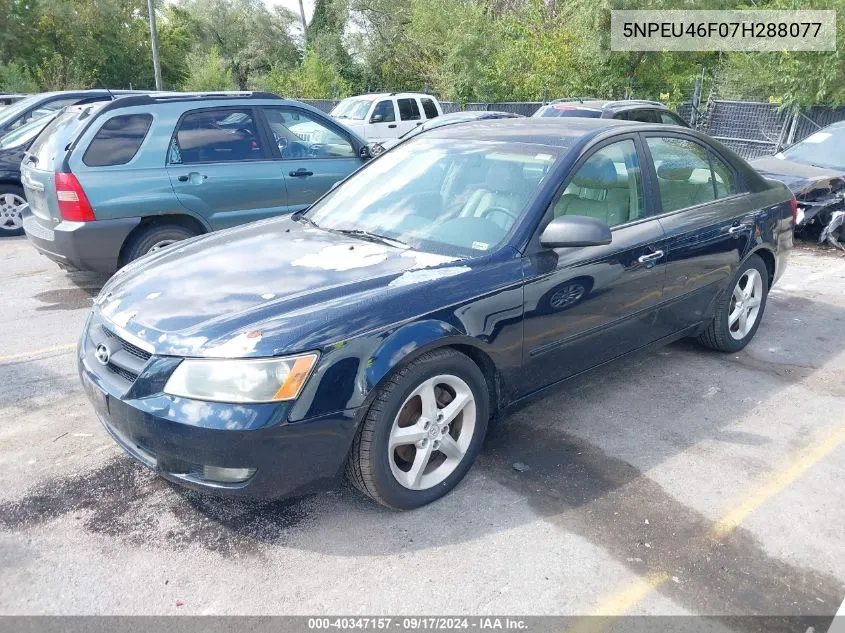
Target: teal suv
[[109, 182]]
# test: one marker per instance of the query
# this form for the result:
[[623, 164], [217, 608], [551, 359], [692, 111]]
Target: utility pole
[[154, 42], [304, 23]]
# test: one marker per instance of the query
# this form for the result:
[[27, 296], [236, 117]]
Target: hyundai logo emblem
[[102, 354]]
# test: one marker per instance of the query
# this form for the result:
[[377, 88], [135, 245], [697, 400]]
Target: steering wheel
[[315, 149], [509, 215]]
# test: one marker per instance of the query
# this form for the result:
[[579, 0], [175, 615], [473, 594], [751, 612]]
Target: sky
[[293, 5]]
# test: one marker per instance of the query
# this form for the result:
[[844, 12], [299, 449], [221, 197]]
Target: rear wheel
[[12, 201], [153, 238], [422, 432], [740, 310]]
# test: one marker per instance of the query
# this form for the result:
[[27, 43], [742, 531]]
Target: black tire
[[717, 335], [15, 190], [368, 466], [146, 238]]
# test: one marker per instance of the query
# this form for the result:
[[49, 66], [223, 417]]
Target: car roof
[[607, 104], [380, 95], [550, 132]]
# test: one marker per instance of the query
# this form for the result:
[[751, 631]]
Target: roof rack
[[164, 97], [571, 99]]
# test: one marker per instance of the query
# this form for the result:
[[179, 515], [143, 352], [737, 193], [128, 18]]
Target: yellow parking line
[[55, 349], [623, 600], [776, 482]]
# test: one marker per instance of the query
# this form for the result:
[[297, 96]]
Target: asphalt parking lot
[[678, 482]]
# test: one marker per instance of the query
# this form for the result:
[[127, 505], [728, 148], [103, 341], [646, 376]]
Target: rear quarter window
[[117, 142], [429, 108]]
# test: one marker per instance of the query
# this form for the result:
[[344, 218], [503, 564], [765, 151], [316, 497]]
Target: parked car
[[386, 115], [625, 110], [25, 110], [378, 332], [12, 198], [814, 169], [113, 182], [452, 118]]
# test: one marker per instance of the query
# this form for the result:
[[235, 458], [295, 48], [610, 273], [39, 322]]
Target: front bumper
[[81, 245], [177, 437]]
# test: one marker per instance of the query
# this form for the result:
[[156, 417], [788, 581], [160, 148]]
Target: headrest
[[597, 173], [675, 169]]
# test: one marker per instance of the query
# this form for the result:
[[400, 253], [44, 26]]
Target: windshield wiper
[[373, 237]]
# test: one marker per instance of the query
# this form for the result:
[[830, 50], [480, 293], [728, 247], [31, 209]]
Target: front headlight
[[241, 380]]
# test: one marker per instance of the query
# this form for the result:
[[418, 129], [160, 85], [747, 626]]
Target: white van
[[382, 116]]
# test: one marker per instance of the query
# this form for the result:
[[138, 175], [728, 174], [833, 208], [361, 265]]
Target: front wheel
[[422, 432], [740, 309]]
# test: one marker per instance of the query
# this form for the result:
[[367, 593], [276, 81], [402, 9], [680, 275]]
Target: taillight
[[73, 203], [793, 206]]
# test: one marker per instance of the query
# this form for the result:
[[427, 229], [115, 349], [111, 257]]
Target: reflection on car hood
[[797, 176], [216, 295]]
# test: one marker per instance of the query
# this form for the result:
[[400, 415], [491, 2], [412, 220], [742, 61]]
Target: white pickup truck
[[382, 116]]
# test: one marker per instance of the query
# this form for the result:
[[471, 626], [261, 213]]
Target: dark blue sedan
[[450, 280]]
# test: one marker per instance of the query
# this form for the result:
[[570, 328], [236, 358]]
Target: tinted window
[[683, 172], [723, 178], [643, 116], [118, 140], [670, 119], [408, 109], [299, 135], [215, 136], [429, 108], [386, 110], [608, 186]]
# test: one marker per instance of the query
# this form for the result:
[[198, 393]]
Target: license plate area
[[97, 396]]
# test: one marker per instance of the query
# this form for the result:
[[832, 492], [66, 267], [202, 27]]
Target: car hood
[[262, 289], [799, 177]]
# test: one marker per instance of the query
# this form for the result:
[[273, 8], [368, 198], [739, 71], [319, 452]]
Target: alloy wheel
[[11, 206], [432, 432], [745, 304], [569, 295]]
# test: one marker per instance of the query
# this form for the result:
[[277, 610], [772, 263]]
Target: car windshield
[[11, 112], [24, 134], [825, 148], [453, 197], [355, 109]]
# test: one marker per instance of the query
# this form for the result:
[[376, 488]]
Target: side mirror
[[575, 230], [377, 118], [366, 152]]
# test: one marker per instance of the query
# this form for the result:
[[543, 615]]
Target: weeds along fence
[[750, 128]]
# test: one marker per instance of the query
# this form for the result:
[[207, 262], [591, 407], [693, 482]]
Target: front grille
[[136, 351], [123, 373], [126, 360]]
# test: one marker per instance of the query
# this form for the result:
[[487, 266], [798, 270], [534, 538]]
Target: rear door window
[[429, 108], [683, 172], [670, 119], [117, 142], [217, 136], [408, 109]]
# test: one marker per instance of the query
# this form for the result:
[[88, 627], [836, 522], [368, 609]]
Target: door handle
[[187, 177], [650, 257], [738, 228], [392, 125], [301, 173]]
